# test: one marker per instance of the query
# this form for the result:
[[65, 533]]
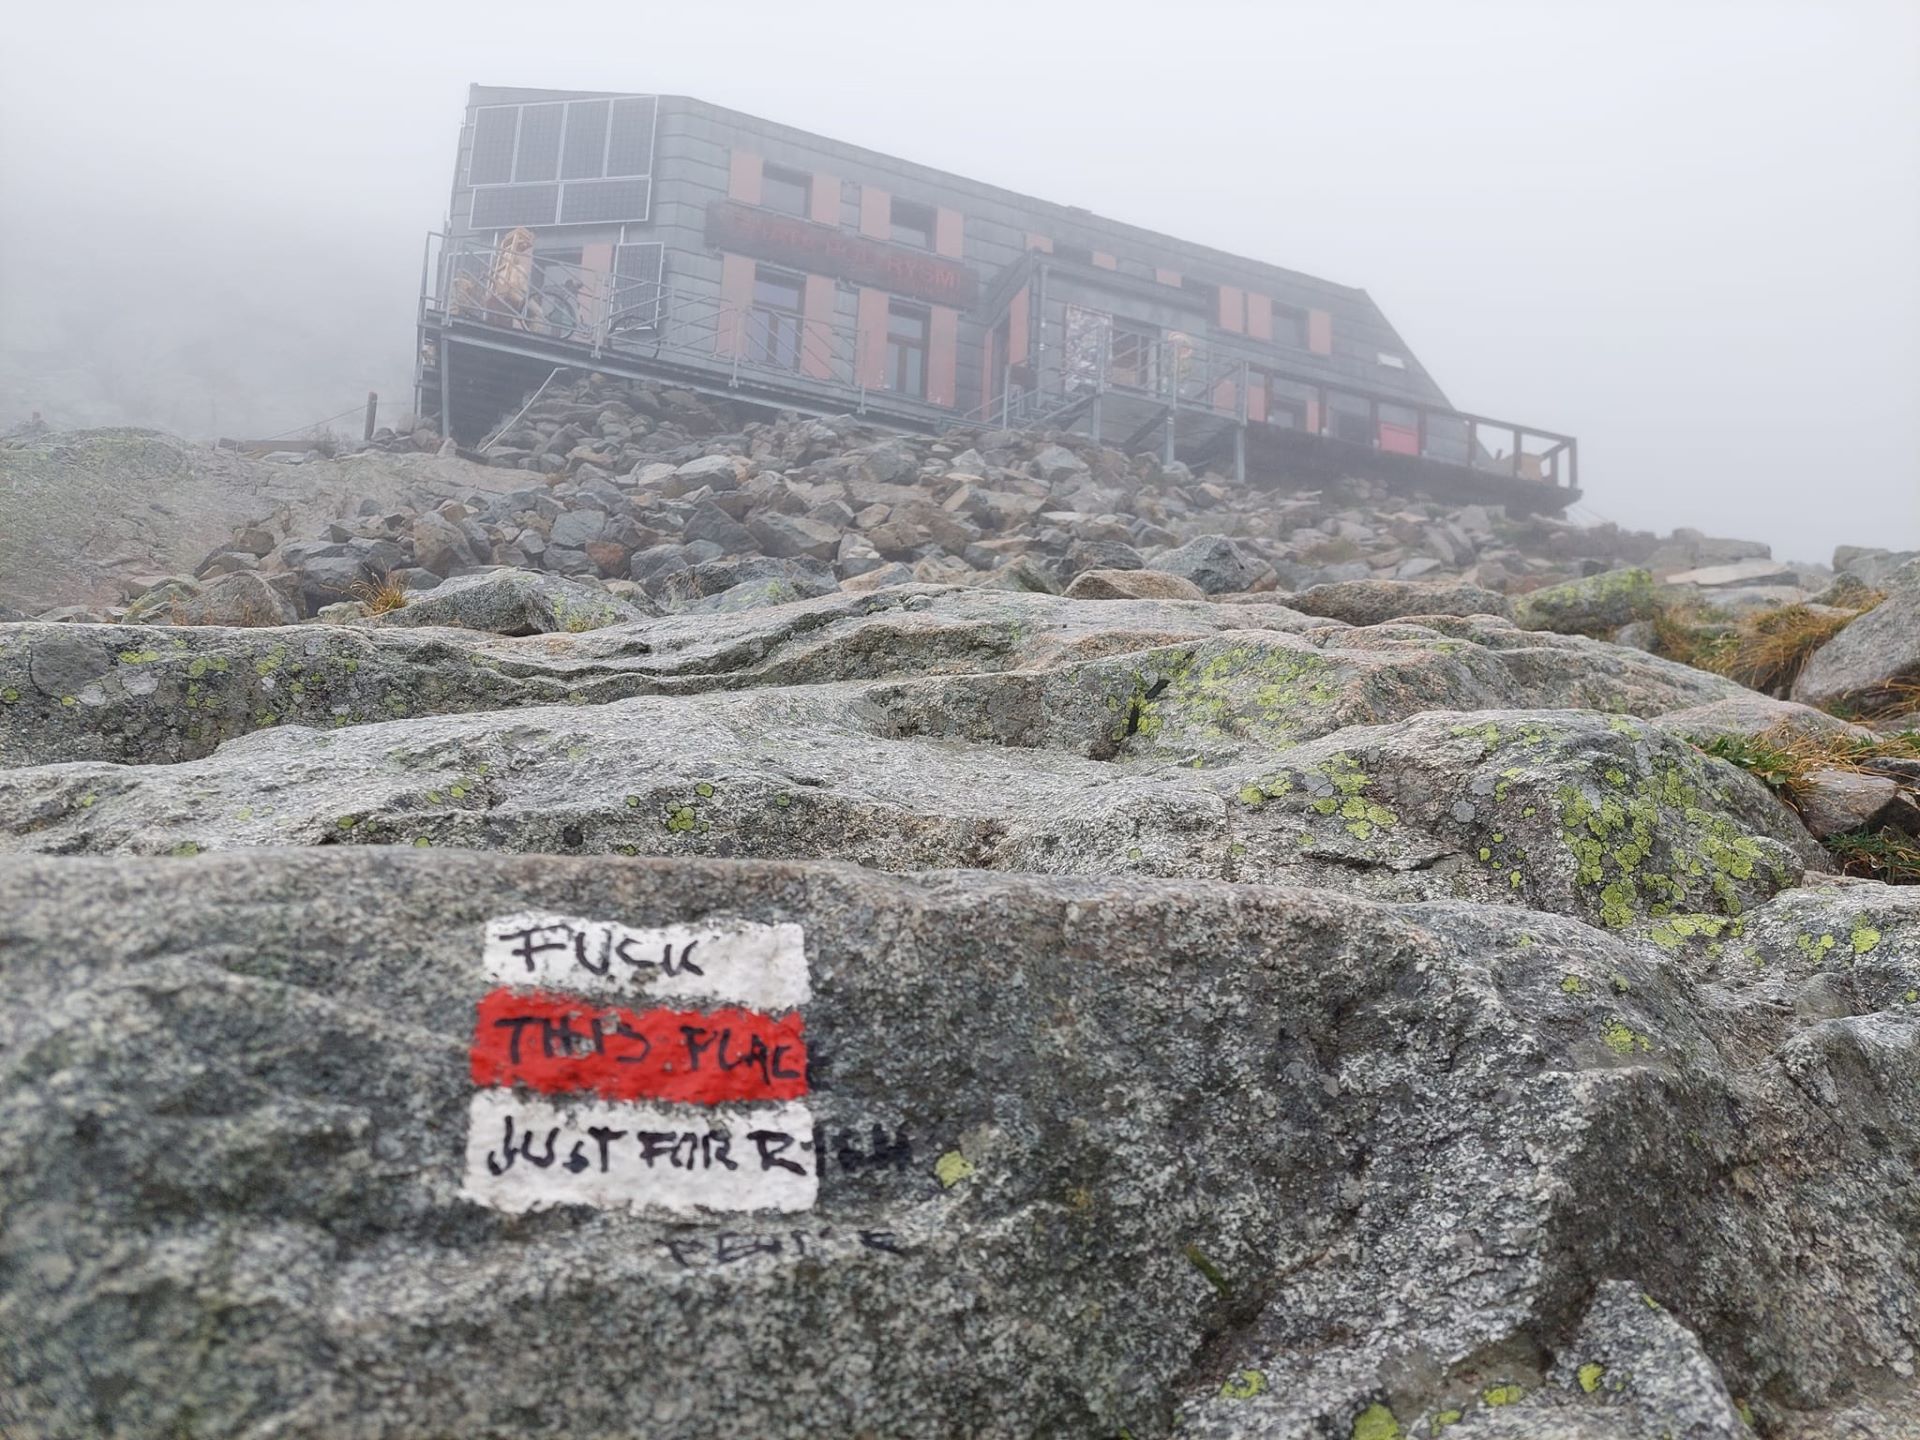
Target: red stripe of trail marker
[[554, 1043]]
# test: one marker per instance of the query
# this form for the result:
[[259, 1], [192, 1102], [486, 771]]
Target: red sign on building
[[823, 250]]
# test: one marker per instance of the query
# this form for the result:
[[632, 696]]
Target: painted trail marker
[[591, 1092]]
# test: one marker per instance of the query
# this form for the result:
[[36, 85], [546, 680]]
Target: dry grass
[[1765, 651], [1773, 647], [1888, 856], [1787, 759], [1692, 636], [382, 595], [1894, 700]]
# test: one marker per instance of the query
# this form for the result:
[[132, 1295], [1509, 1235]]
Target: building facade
[[663, 235]]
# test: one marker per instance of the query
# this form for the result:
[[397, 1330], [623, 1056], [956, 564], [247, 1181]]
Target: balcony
[[506, 317]]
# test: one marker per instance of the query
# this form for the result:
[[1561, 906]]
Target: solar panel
[[491, 162], [591, 202], [586, 140], [630, 148], [537, 157], [500, 207], [601, 149]]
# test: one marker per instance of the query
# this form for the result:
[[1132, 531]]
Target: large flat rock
[[1606, 818], [1162, 1016], [157, 693], [1089, 1156]]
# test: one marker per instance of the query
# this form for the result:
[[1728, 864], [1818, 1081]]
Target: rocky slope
[[684, 498], [1331, 1010]]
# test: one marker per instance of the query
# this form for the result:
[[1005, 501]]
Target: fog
[[1688, 233]]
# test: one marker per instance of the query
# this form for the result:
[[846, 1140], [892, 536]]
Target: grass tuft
[[1786, 760], [1765, 651], [1888, 855], [382, 595]]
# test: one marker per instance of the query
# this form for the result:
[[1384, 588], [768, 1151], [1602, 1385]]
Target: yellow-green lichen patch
[[951, 1168], [1507, 1394], [185, 849], [1611, 837], [633, 802], [1864, 937], [1813, 946], [1488, 734], [10, 695], [1244, 1385], [1671, 931], [138, 657], [1376, 1422], [1589, 1376], [681, 819], [1341, 784], [1251, 690], [1443, 1419], [1623, 1039], [1571, 985], [703, 790]]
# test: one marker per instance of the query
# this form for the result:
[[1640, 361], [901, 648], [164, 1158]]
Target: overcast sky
[[1687, 232]]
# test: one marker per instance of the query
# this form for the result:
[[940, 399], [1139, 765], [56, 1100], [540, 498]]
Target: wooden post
[[373, 409], [1517, 433], [446, 385]]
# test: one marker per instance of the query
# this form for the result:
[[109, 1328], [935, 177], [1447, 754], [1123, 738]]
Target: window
[[912, 224], [556, 286], [1287, 402], [1289, 327], [1135, 356], [788, 191], [907, 330], [638, 286], [1392, 361], [773, 325], [1351, 419]]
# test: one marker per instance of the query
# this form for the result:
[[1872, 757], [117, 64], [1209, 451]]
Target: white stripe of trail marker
[[527, 1153], [742, 962]]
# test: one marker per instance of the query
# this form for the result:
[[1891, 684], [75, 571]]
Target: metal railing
[[1104, 369], [1085, 373], [606, 314]]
